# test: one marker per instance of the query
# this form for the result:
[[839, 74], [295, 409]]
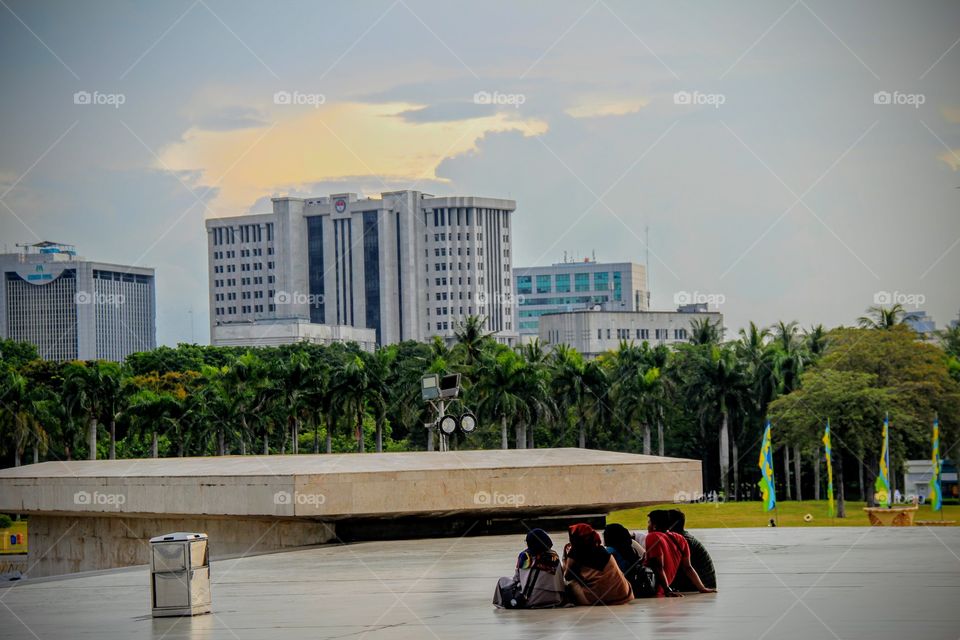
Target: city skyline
[[798, 159]]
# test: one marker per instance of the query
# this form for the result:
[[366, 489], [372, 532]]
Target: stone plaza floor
[[870, 583]]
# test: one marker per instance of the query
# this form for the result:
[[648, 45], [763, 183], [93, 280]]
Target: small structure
[[917, 474], [180, 574]]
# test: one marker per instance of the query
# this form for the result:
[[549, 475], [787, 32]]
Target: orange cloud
[[304, 145]]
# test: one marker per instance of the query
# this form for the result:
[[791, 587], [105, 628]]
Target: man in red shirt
[[668, 553]]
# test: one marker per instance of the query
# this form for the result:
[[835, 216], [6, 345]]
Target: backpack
[[643, 581], [515, 596]]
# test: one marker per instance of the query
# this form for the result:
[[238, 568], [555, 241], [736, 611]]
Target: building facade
[[71, 308], [569, 286], [594, 332], [407, 265], [272, 333], [922, 323]]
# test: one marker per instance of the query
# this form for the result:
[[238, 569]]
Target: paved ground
[[868, 583]]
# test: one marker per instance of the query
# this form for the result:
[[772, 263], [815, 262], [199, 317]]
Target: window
[[543, 283], [562, 282], [581, 281], [599, 334], [601, 281]]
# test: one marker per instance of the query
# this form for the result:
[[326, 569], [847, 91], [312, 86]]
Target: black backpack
[[643, 580]]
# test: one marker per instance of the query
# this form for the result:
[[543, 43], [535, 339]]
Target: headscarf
[[586, 548], [583, 535], [538, 541], [539, 552]]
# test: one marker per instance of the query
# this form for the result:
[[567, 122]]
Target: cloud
[[598, 108], [231, 118], [447, 112], [332, 142]]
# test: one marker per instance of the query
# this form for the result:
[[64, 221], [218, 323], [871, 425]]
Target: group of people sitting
[[663, 562]]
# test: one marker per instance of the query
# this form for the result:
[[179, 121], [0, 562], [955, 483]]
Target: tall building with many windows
[[406, 266], [71, 308], [569, 286]]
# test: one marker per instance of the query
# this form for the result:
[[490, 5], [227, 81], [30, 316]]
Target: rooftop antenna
[[594, 255], [647, 262]]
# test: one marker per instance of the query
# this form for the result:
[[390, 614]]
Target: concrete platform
[[96, 514], [870, 583]]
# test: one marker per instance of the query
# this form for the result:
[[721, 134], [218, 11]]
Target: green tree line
[[706, 399]]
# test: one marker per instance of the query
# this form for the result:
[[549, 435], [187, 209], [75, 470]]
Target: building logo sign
[[340, 205], [39, 274]]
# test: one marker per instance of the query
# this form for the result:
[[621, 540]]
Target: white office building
[[72, 308], [570, 286], [405, 266], [594, 332]]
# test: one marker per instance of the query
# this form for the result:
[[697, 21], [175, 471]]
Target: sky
[[790, 160]]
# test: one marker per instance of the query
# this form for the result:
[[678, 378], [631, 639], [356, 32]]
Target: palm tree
[[243, 385], [352, 384], [816, 341], [702, 331], [471, 338], [19, 413], [83, 392], [879, 317], [758, 360], [723, 390], [534, 383], [578, 385], [635, 383], [378, 393], [293, 379], [950, 340], [111, 400], [500, 390]]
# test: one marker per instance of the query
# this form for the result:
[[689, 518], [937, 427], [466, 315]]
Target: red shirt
[[670, 548]]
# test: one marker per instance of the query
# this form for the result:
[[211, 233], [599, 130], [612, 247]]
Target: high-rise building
[[406, 266], [74, 309], [569, 286]]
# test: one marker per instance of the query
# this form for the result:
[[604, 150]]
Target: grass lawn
[[751, 514]]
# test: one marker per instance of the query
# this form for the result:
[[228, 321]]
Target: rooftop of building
[[641, 312], [578, 263]]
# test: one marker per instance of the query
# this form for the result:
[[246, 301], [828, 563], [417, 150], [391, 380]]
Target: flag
[[883, 479], [827, 452], [766, 471], [936, 495]]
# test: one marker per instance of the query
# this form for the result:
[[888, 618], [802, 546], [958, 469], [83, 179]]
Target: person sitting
[[699, 556], [591, 571], [668, 553], [538, 575], [627, 552]]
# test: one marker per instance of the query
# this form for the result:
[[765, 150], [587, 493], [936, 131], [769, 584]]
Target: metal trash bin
[[180, 574]]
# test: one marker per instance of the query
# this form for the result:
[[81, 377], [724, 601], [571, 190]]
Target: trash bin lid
[[178, 536]]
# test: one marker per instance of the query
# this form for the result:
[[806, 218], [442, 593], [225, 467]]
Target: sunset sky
[[792, 188]]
